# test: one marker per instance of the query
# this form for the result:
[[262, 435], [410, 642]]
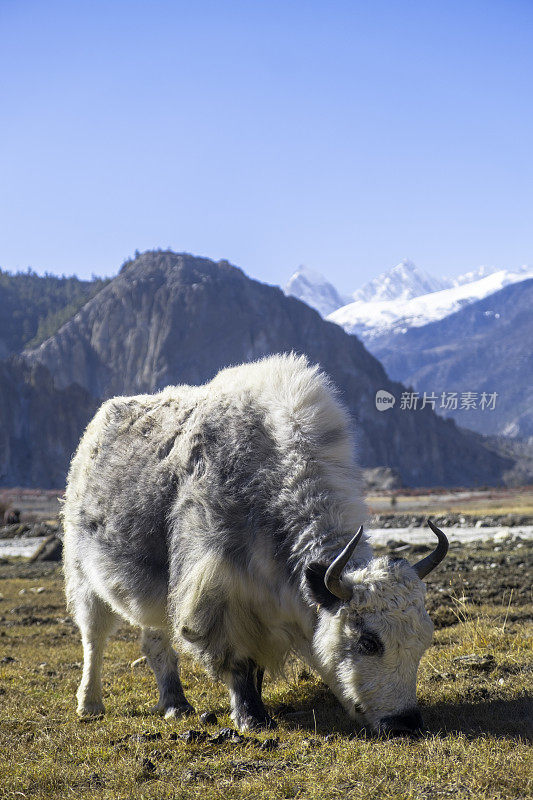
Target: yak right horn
[[427, 564]]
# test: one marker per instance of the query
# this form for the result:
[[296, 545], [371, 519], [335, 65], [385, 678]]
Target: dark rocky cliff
[[40, 425], [174, 318]]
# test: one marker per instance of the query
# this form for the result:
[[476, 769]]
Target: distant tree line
[[33, 307]]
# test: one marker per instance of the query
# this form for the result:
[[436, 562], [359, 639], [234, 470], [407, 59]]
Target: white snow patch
[[20, 547], [454, 534], [371, 319], [27, 547]]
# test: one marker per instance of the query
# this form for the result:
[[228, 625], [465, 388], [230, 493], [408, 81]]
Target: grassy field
[[470, 502], [479, 716]]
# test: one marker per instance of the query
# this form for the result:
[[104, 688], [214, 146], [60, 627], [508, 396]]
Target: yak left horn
[[427, 564], [332, 578]]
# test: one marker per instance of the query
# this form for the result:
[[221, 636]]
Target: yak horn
[[427, 564], [332, 578]]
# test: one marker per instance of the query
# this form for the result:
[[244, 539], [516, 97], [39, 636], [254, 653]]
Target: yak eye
[[369, 644]]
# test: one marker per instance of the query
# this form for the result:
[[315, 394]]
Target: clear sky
[[340, 135]]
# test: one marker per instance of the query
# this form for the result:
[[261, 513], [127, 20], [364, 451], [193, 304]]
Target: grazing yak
[[11, 516], [219, 515]]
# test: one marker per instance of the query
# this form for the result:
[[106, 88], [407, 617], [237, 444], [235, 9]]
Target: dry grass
[[474, 503], [478, 720]]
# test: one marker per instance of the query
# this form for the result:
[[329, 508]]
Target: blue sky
[[341, 135]]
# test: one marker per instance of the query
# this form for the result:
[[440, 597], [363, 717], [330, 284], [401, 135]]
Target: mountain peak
[[405, 265], [313, 289], [402, 282], [390, 305]]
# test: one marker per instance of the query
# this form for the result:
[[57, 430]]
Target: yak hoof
[[179, 711], [89, 711], [174, 711], [262, 723]]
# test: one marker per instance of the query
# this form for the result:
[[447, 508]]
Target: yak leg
[[96, 621], [163, 660], [259, 675], [247, 709]]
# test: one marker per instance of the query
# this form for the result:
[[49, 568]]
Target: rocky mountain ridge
[[40, 425], [174, 318]]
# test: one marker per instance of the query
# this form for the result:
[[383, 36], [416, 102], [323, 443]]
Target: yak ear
[[320, 594]]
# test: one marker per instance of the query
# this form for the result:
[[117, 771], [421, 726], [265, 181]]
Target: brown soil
[[478, 573]]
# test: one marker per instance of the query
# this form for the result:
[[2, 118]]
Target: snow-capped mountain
[[315, 290], [402, 282], [401, 298], [470, 334], [484, 347], [373, 318]]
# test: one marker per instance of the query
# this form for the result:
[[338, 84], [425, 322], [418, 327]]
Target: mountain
[[34, 307], [174, 318], [40, 425], [484, 347], [375, 318], [402, 282], [402, 316], [313, 289], [400, 298]]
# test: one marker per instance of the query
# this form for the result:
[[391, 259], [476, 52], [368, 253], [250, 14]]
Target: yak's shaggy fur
[[196, 511]]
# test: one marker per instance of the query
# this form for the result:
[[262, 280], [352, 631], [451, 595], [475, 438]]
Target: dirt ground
[[476, 573]]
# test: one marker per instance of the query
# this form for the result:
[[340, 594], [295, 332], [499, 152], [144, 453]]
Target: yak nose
[[408, 723]]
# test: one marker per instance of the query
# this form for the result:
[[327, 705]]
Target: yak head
[[372, 630]]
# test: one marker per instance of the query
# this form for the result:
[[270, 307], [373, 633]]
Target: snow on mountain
[[470, 277], [402, 282], [403, 297], [313, 289], [483, 272], [370, 319]]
